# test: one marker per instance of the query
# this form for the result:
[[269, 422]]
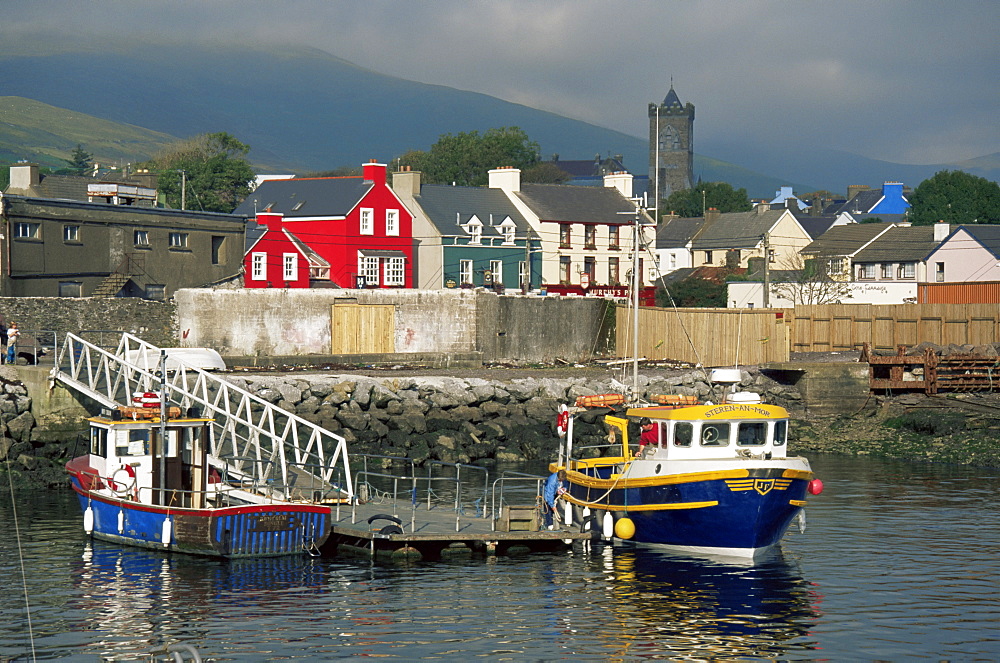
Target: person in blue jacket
[[555, 486]]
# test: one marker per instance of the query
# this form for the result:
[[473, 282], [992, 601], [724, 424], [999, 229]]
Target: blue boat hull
[[240, 531], [740, 515]]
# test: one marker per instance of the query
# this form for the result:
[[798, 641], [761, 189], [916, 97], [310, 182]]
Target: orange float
[[676, 400]]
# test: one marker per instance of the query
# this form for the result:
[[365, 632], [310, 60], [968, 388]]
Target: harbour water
[[898, 561]]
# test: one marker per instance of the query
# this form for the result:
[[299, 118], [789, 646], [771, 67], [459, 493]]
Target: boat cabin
[[708, 431], [134, 452]]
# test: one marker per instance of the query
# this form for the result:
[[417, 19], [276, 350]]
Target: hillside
[[33, 131], [300, 109]]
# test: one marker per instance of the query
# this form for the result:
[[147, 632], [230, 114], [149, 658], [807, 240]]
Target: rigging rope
[[20, 555]]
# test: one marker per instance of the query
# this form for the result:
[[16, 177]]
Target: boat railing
[[381, 479], [501, 494]]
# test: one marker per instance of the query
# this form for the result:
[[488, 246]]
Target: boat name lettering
[[276, 522], [723, 409]]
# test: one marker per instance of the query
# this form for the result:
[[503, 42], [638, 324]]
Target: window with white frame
[[392, 222], [369, 269], [465, 271], [908, 270], [508, 231], [836, 265], [290, 261], [496, 270], [475, 232], [395, 271], [258, 266], [522, 269], [178, 240], [71, 233], [141, 237], [26, 230], [367, 225], [939, 272]]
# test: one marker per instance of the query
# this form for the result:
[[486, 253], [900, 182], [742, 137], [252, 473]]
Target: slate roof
[[862, 202], [319, 196], [987, 235], [566, 203], [672, 99], [845, 240], [675, 233], [74, 187], [448, 206], [900, 244], [814, 225], [589, 167], [736, 230]]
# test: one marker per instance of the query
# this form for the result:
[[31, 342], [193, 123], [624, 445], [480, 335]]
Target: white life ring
[[122, 487]]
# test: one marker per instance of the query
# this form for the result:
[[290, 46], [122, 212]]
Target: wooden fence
[[846, 327], [711, 337], [726, 337]]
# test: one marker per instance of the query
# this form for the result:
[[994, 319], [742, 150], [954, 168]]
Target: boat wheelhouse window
[[751, 433], [99, 442], [136, 444], [715, 435], [683, 433], [780, 432]]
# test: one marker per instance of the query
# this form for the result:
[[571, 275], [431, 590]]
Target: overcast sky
[[913, 82]]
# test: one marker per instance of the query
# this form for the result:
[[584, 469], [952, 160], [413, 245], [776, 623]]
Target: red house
[[346, 232]]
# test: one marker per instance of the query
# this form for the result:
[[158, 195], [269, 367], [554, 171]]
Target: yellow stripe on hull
[[579, 479], [672, 506]]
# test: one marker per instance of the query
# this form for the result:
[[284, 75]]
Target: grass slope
[[34, 131]]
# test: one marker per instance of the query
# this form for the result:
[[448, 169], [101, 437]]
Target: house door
[[363, 329]]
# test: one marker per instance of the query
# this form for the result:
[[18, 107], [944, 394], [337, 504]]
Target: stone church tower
[[671, 146]]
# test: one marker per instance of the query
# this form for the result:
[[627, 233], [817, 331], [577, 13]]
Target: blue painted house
[[469, 237], [889, 203]]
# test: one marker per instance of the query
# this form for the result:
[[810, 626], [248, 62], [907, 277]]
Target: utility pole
[[183, 190], [767, 271], [526, 274]]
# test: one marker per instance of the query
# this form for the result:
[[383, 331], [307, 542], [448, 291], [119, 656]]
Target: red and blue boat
[[149, 480]]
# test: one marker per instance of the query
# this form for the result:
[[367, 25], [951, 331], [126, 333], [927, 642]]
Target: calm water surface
[[899, 561]]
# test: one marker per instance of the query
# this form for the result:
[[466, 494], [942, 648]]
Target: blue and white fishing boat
[[713, 479], [149, 480]]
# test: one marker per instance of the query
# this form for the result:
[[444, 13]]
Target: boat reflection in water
[[145, 600], [671, 605]]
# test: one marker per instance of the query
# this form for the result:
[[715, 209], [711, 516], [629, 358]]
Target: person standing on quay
[[12, 333]]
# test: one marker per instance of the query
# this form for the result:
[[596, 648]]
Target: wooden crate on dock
[[518, 519]]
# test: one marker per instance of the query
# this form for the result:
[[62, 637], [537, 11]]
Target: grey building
[[671, 146], [112, 245]]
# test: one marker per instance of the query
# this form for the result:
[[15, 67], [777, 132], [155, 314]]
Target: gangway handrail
[[106, 376]]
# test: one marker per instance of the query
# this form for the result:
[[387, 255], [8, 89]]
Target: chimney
[[506, 178], [374, 172], [762, 206], [855, 189], [272, 220], [406, 182], [23, 178], [941, 231], [712, 215], [620, 180]]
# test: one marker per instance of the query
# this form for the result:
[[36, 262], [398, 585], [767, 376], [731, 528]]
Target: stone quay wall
[[465, 419], [39, 317]]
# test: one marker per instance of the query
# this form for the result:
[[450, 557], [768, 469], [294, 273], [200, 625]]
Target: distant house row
[[78, 236]]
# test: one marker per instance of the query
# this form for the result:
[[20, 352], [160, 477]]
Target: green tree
[[693, 292], [466, 158], [216, 174], [706, 195], [955, 197], [79, 160], [545, 172]]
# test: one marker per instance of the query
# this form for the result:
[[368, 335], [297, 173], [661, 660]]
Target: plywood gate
[[711, 337], [362, 329]]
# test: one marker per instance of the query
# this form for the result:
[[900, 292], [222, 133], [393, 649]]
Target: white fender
[[568, 512], [88, 520], [608, 525], [167, 532], [121, 521], [585, 515]]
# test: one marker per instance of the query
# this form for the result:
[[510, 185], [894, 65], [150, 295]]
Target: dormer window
[[508, 229], [475, 230]]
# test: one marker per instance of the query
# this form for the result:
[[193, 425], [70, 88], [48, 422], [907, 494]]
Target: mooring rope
[[20, 555]]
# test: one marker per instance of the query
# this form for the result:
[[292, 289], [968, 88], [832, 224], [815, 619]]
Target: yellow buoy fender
[[625, 528]]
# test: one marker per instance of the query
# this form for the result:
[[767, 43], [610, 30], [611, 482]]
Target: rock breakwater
[[465, 419]]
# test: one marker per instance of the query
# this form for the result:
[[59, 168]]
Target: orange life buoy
[[562, 421], [600, 400]]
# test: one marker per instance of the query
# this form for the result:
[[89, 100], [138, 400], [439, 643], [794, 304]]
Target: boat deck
[[438, 531]]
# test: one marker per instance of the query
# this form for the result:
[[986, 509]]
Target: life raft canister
[[600, 400], [677, 400]]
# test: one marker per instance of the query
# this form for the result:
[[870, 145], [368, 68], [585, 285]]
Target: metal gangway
[[254, 440]]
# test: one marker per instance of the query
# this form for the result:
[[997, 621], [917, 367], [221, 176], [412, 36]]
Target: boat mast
[[163, 426]]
